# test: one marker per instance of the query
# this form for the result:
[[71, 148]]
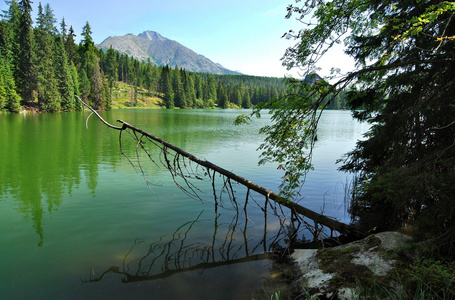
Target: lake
[[79, 220]]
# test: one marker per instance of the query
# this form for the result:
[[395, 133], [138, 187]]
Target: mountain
[[163, 51]]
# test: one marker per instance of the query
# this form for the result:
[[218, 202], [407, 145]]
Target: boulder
[[335, 272]]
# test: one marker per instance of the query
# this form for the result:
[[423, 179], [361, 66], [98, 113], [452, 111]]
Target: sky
[[241, 35]]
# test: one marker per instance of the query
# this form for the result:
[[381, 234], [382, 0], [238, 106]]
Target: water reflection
[[63, 185], [232, 242], [39, 162], [45, 157]]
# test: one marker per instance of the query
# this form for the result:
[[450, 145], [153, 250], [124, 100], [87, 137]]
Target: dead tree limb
[[294, 207], [321, 219]]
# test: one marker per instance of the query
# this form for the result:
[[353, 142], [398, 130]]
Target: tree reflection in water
[[183, 253], [231, 243]]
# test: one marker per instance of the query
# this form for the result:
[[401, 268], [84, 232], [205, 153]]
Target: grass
[[419, 272], [121, 98]]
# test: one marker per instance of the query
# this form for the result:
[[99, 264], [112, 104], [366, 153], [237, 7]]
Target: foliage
[[48, 68], [24, 67], [403, 86], [9, 99], [420, 273]]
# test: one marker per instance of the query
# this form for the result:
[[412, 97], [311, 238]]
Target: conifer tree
[[222, 96], [87, 41], [49, 20], [177, 86], [75, 84], [70, 45], [84, 86], [198, 86], [9, 99], [188, 85], [403, 86], [211, 88], [150, 76], [9, 28], [49, 97], [64, 77], [106, 94], [166, 87], [63, 29], [236, 95], [90, 66], [97, 86], [246, 101], [111, 68], [25, 68]]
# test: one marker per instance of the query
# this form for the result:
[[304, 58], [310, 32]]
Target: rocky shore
[[335, 273]]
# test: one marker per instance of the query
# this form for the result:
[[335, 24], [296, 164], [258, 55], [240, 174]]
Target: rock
[[335, 272], [313, 276]]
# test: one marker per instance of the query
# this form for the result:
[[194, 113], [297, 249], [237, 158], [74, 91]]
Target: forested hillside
[[42, 68]]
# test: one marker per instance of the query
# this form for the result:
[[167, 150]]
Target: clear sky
[[243, 35]]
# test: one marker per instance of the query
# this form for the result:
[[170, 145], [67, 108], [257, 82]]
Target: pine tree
[[246, 101], [64, 77], [236, 95], [111, 68], [222, 96], [403, 86], [9, 28], [49, 20], [87, 41], [188, 86], [97, 86], [211, 88], [70, 46], [177, 86], [106, 94], [63, 29], [133, 66], [49, 98], [9, 99], [25, 68], [166, 87], [84, 86], [75, 84], [90, 66], [150, 75], [198, 86]]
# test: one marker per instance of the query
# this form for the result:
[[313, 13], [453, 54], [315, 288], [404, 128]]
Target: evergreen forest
[[42, 68]]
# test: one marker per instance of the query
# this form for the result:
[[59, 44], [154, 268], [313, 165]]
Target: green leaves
[[292, 134], [417, 24], [404, 87]]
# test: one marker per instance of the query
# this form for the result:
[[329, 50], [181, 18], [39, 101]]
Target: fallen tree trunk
[[316, 217], [294, 207]]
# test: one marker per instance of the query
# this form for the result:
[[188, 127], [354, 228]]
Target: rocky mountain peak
[[162, 51], [151, 35]]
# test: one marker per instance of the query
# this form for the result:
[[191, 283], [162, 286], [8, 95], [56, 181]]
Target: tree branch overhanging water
[[176, 162]]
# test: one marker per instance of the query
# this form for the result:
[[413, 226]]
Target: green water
[[72, 206]]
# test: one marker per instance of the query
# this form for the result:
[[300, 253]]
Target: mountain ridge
[[163, 51]]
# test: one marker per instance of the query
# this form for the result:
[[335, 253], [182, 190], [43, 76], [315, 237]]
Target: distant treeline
[[43, 68]]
